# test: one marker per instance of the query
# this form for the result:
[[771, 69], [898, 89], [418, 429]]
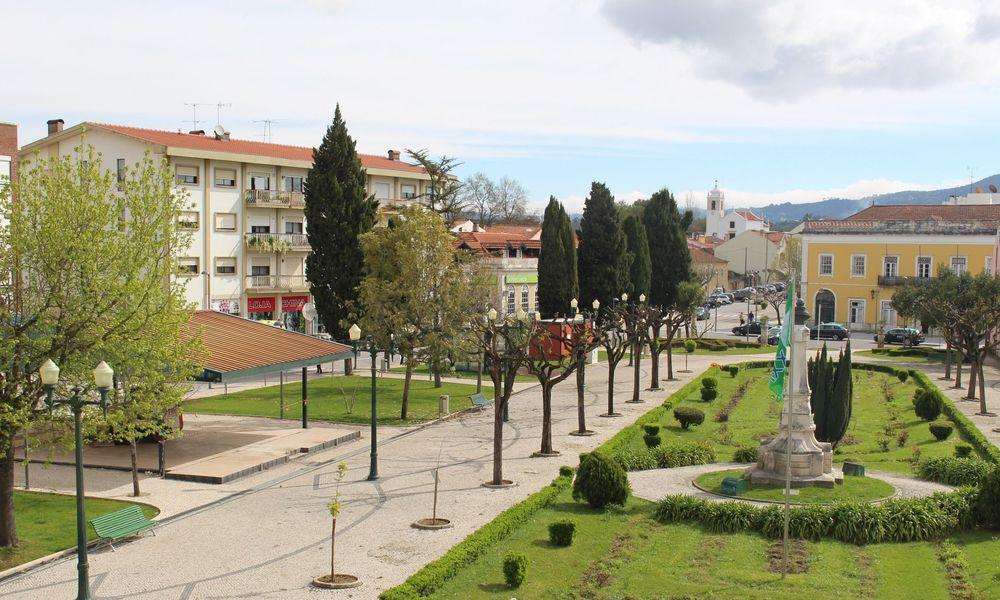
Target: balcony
[[897, 280], [273, 199], [277, 242], [289, 283]]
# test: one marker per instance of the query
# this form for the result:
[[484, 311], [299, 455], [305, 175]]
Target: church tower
[[715, 210]]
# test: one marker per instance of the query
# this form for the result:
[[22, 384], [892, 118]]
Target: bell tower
[[715, 210]]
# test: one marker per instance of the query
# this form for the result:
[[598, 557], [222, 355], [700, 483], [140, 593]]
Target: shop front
[[291, 312], [261, 308]]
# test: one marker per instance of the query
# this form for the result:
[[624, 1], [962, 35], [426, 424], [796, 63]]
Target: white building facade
[[725, 224]]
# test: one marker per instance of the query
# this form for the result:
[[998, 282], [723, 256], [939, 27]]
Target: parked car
[[721, 299], [829, 331], [742, 295], [701, 314], [900, 335], [772, 335], [780, 286], [751, 328]]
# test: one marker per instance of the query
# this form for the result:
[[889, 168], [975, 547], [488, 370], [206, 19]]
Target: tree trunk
[[498, 403], [333, 548], [654, 370], [958, 369], [8, 529], [581, 413], [973, 372], [546, 419], [135, 467], [635, 376], [982, 390], [947, 360], [406, 389], [437, 378], [611, 386], [670, 357]]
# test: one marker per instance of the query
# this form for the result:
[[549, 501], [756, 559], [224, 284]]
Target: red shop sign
[[260, 305], [293, 303]]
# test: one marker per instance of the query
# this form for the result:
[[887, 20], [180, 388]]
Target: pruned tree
[[611, 328], [689, 295], [668, 250], [603, 257], [557, 281], [444, 196], [637, 245], [831, 394]]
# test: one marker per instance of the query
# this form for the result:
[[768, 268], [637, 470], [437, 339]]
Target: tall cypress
[[669, 256], [556, 262], [638, 248], [603, 258], [338, 210]]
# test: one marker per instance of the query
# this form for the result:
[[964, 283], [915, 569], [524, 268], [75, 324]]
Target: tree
[[668, 250], [477, 197], [638, 247], [690, 294], [339, 210], [444, 196], [832, 391], [603, 257], [510, 200], [94, 284], [418, 290], [614, 337], [557, 283]]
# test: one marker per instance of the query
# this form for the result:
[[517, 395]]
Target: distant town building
[[8, 151], [751, 254], [512, 252], [978, 197], [709, 268], [725, 224]]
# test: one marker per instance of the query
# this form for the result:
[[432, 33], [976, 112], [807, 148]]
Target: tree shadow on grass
[[494, 588]]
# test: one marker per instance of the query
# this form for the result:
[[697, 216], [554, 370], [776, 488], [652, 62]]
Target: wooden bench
[[479, 401], [733, 486], [120, 524]]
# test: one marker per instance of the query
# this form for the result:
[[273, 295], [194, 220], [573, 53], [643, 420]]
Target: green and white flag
[[781, 357]]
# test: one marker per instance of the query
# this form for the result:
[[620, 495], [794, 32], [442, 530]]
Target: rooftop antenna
[[267, 128], [194, 113], [972, 172], [218, 111]]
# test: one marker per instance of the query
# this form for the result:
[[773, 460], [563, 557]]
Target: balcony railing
[[276, 282], [896, 280], [274, 199], [277, 242]]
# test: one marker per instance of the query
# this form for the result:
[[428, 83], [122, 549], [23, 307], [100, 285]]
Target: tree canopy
[[603, 257], [557, 274], [668, 250], [638, 247]]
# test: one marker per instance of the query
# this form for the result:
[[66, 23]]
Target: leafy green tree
[[668, 250], [93, 284], [445, 195], [557, 282], [603, 257], [831, 395], [338, 209], [638, 247]]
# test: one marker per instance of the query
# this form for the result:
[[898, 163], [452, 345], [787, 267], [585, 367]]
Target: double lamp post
[[369, 345]]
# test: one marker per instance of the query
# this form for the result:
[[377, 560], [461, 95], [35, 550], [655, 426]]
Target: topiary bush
[[902, 376], [515, 568], [954, 471], [690, 346], [651, 429], [709, 394], [600, 481], [651, 441], [745, 454], [709, 383], [565, 471], [561, 532], [927, 405], [733, 370], [987, 502], [688, 416], [940, 429], [963, 450]]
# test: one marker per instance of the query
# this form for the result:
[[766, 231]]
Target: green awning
[[521, 278]]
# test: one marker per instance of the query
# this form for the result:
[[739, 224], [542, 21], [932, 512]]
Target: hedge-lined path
[[654, 484], [270, 540]]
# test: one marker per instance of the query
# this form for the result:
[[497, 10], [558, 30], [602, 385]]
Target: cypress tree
[[818, 393], [338, 210], [556, 262], [638, 248], [603, 258], [840, 405], [669, 257]]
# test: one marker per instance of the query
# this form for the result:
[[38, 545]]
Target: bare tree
[[509, 200], [478, 198]]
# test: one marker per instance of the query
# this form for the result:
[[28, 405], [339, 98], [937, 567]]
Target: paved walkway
[[654, 484]]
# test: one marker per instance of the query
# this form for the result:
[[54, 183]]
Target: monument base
[[811, 462]]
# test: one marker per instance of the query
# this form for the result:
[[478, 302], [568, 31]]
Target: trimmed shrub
[[940, 429], [963, 450], [561, 532], [927, 405], [745, 454], [709, 394], [683, 455], [987, 503], [688, 416], [709, 383], [690, 346], [651, 441], [954, 471], [651, 429], [902, 376], [600, 481], [631, 460], [565, 471], [515, 567], [733, 370]]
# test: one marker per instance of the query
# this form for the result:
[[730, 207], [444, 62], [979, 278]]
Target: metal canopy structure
[[235, 348]]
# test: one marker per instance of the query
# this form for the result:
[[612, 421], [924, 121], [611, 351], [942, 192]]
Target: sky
[[789, 100]]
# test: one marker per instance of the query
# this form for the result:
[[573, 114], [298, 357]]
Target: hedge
[[967, 428], [429, 579], [955, 471], [666, 456]]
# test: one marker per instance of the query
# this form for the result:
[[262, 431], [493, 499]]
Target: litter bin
[[443, 405]]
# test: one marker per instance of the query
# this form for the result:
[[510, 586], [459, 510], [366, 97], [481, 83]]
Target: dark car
[[742, 295], [772, 335], [751, 328], [829, 331], [902, 335]]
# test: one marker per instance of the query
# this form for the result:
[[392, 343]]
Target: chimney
[[197, 132], [55, 125], [393, 154]]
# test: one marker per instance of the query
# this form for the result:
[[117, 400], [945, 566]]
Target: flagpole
[[788, 432]]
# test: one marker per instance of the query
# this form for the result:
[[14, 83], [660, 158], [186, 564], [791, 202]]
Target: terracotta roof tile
[[700, 256], [928, 212], [749, 216]]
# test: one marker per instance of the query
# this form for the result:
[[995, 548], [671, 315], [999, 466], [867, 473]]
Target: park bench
[[854, 468], [480, 401], [733, 486], [120, 524]]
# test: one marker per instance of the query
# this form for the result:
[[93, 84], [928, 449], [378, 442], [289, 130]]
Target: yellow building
[[851, 267]]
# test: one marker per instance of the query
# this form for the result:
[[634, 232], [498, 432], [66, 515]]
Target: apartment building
[[8, 151], [851, 267], [245, 209], [512, 252]]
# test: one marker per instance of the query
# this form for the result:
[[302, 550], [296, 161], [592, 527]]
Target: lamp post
[[104, 378], [369, 345]]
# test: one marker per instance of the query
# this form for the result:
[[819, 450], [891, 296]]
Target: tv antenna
[[266, 136], [194, 113], [218, 110], [972, 173]]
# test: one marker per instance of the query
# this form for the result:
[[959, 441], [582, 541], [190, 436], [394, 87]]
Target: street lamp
[[104, 378], [642, 297], [369, 344]]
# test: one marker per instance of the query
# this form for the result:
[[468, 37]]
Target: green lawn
[[853, 488], [460, 373], [915, 354], [342, 399], [46, 523]]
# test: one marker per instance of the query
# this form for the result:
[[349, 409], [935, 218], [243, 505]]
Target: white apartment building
[[245, 209], [724, 224]]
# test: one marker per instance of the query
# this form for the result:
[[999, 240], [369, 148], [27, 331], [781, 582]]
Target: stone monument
[[811, 460]]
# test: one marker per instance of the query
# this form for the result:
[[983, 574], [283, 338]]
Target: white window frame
[[196, 176], [219, 227], [288, 181], [864, 309], [864, 263], [219, 172], [408, 191], [181, 260], [988, 264], [378, 185], [226, 259], [965, 264], [184, 222], [885, 263], [819, 266], [511, 299], [930, 267]]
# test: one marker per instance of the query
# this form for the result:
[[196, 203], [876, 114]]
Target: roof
[[749, 216], [176, 139], [235, 347], [928, 212], [700, 256], [901, 227], [492, 240], [525, 230]]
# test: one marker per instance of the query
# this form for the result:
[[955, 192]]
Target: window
[[408, 191], [187, 175], [890, 267], [826, 264], [225, 265], [260, 181], [524, 298], [121, 170], [293, 227], [188, 265], [292, 184], [188, 220], [958, 265], [713, 204], [511, 300], [732, 224], [856, 312], [511, 252], [225, 221], [923, 267], [382, 191], [260, 270], [260, 229], [858, 265], [989, 264], [225, 178]]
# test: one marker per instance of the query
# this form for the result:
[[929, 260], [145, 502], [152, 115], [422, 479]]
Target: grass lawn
[[915, 354], [460, 373], [853, 488], [46, 523], [331, 398]]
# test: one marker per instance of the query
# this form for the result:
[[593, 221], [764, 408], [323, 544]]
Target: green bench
[[479, 401], [854, 468], [120, 524], [733, 486]]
